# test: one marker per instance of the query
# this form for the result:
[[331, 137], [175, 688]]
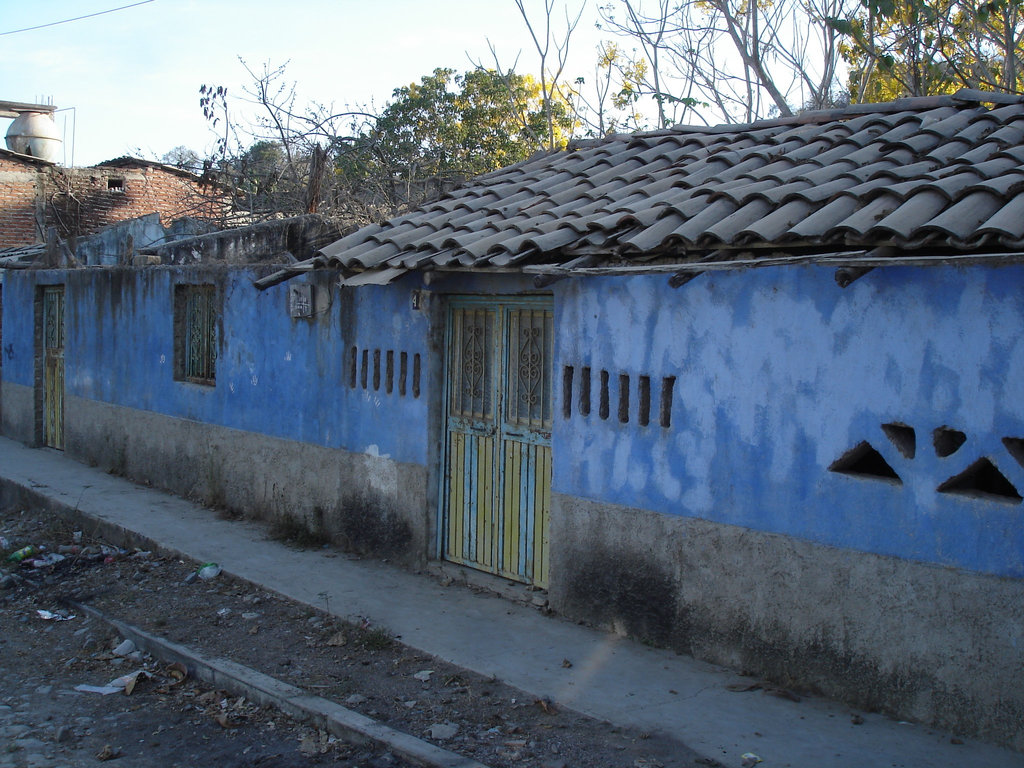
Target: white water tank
[[35, 134]]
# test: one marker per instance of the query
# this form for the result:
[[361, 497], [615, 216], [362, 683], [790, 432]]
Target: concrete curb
[[293, 701]]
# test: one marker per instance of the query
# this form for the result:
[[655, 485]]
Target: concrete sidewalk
[[610, 678]]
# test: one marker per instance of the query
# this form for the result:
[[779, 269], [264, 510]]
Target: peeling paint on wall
[[778, 373]]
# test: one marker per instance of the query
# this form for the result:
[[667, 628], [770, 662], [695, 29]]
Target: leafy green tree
[[449, 127], [358, 165], [922, 47]]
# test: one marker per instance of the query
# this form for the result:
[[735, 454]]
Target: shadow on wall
[[622, 592]]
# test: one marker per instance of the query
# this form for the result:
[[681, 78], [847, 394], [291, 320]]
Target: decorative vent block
[[864, 461]]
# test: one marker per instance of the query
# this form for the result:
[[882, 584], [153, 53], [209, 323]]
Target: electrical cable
[[77, 18]]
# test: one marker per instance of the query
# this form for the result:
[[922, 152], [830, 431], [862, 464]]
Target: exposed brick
[[82, 201]]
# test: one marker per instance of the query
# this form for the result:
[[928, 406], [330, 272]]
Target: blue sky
[[133, 76]]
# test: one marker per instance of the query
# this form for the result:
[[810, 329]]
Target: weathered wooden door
[[53, 366], [497, 473]]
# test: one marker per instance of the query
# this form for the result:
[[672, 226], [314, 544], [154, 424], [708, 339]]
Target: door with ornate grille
[[53, 366], [497, 464]]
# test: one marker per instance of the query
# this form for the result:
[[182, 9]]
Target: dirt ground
[[166, 721]]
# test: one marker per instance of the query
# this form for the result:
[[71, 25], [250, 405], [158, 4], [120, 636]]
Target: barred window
[[196, 317]]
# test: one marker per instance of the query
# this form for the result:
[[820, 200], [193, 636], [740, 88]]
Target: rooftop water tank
[[35, 134]]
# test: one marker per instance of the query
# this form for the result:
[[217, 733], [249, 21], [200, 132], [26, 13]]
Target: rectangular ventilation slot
[[352, 367], [667, 385], [567, 373], [624, 398], [403, 372], [416, 375], [389, 372], [366, 368], [376, 370], [585, 391], [602, 407], [643, 415]]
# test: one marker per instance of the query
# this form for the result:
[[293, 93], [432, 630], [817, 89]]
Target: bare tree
[[553, 49], [732, 59]]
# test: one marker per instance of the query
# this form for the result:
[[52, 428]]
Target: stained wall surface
[[286, 379], [777, 375], [830, 498], [820, 485]]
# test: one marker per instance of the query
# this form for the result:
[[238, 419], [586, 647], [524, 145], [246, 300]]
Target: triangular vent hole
[[1015, 446], [903, 437], [982, 480], [947, 441], [864, 461]]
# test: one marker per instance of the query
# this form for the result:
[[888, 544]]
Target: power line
[[77, 18]]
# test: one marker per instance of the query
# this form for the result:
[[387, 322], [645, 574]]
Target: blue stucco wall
[[276, 375], [778, 373]]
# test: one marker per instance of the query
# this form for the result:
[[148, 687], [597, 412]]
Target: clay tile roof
[[937, 174]]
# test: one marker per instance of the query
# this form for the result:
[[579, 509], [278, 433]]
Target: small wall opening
[[864, 461], [403, 371], [366, 368], [947, 441], [567, 374], [624, 398], [903, 437], [1015, 445], [643, 415], [585, 391], [416, 375], [602, 407], [353, 367], [389, 372], [982, 480], [665, 415]]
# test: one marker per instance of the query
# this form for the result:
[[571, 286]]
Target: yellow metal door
[[53, 366], [497, 479]]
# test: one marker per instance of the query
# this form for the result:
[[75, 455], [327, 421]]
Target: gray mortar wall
[[920, 642], [18, 410], [368, 503]]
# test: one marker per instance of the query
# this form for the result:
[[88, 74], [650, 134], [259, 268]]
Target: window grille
[[195, 324]]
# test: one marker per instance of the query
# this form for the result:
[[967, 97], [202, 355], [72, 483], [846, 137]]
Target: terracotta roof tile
[[963, 219], [776, 226], [1007, 222], [938, 172], [907, 218]]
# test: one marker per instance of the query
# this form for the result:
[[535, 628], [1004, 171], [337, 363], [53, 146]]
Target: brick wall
[[18, 204], [84, 200], [81, 201]]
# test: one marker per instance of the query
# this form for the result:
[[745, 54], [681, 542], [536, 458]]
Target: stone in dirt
[[442, 731]]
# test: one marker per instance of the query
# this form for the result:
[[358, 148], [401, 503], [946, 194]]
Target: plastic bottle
[[209, 571], [21, 554]]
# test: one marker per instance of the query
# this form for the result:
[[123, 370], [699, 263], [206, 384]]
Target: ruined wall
[[285, 428], [82, 201], [20, 200], [830, 492]]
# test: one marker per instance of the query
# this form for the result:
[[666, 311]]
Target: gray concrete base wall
[[366, 503], [920, 642], [18, 408]]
